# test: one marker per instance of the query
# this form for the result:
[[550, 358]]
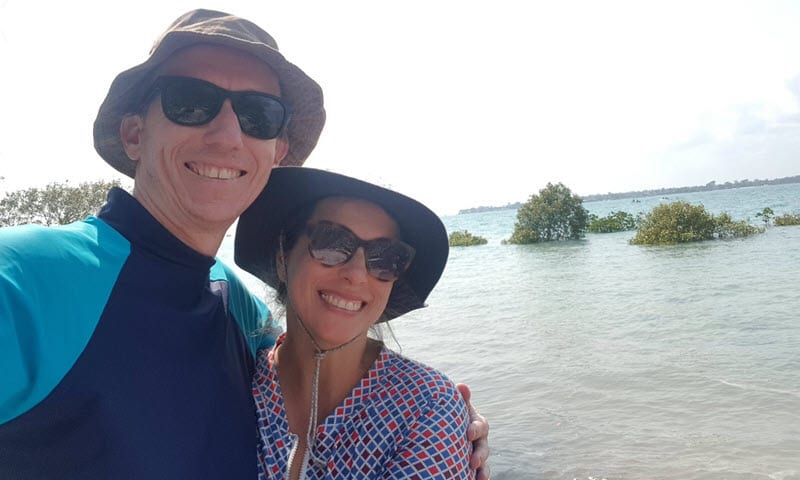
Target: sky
[[457, 103]]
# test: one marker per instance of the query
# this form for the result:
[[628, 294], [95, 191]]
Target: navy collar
[[126, 215]]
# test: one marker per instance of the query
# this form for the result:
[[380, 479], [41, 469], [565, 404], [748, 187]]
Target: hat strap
[[319, 355]]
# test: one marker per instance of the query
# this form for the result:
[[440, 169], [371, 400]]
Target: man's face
[[197, 180]]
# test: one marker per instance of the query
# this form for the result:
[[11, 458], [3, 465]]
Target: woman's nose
[[355, 269]]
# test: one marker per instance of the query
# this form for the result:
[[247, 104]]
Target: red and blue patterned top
[[403, 421]]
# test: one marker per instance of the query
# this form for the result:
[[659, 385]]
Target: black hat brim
[[291, 188]]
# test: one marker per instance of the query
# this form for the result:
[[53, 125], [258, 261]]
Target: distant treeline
[[712, 185]]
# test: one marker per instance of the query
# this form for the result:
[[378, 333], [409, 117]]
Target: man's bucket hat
[[289, 189], [301, 93]]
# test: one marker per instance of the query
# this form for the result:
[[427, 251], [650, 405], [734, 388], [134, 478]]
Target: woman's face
[[340, 302]]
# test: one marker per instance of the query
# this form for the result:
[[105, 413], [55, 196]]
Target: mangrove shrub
[[613, 222], [680, 222], [765, 215], [787, 220], [462, 238], [554, 214]]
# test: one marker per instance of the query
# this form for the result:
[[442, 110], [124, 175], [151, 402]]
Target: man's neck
[[202, 237]]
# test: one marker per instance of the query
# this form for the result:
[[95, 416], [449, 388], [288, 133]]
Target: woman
[[344, 255]]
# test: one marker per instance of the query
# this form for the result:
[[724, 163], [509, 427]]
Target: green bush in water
[[787, 220], [462, 238], [613, 222], [681, 222], [554, 214]]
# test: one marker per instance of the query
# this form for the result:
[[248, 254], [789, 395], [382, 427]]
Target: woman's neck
[[341, 370]]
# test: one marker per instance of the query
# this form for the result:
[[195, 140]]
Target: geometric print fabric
[[404, 420]]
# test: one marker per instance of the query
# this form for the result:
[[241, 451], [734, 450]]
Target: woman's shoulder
[[423, 399], [414, 376]]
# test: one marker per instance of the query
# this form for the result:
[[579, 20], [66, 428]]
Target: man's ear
[[131, 129], [281, 149]]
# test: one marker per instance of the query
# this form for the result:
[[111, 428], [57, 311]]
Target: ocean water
[[596, 359]]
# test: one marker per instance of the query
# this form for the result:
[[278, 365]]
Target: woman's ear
[[280, 263], [130, 132]]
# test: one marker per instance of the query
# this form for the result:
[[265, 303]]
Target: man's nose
[[224, 129]]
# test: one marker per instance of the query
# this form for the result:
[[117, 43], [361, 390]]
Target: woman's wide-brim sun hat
[[289, 189], [301, 93]]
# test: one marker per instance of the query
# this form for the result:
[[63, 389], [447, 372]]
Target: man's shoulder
[[54, 286], [249, 311], [38, 262], [35, 258], [222, 272], [63, 242], [28, 238]]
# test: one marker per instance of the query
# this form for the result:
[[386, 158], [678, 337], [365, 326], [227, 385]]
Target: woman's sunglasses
[[192, 102], [332, 244]]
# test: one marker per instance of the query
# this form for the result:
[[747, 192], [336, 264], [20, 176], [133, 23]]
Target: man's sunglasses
[[332, 244], [192, 102]]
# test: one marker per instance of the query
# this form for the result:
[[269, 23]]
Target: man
[[122, 357]]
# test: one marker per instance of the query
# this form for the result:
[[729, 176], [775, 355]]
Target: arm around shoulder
[[436, 446]]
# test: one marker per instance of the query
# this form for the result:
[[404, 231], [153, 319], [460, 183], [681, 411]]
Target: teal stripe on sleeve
[[54, 285], [251, 313]]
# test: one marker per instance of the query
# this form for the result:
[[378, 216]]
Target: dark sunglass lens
[[329, 257], [260, 116], [331, 244], [190, 102], [387, 260]]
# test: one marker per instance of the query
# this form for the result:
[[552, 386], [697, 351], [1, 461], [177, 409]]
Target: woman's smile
[[342, 303]]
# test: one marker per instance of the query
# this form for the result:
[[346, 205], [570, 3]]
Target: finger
[[484, 473], [478, 433], [480, 453], [478, 427], [464, 389]]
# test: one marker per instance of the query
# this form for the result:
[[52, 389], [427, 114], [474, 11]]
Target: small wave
[[784, 475], [759, 389]]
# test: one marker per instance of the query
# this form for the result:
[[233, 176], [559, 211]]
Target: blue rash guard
[[121, 356]]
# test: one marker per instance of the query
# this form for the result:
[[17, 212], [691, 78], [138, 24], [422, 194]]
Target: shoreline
[[710, 186]]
